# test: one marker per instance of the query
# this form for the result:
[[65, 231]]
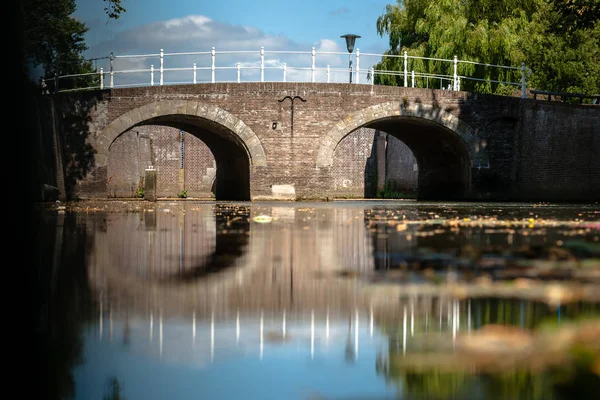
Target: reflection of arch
[[241, 133], [180, 246], [445, 147], [231, 241]]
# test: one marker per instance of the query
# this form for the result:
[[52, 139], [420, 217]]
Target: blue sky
[[302, 22], [197, 25]]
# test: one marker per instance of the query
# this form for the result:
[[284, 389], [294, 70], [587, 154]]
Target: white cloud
[[198, 33]]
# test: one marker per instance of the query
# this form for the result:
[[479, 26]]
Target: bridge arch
[[235, 146], [445, 147]]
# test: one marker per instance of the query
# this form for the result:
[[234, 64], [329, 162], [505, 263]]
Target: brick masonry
[[160, 147], [467, 146]]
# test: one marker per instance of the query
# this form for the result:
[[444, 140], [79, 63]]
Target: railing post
[[312, 67], [357, 65], [161, 66], [239, 72], [412, 75], [212, 68], [194, 69], [101, 78], [262, 64], [151, 75], [405, 69], [372, 76], [56, 74], [112, 69], [455, 83], [284, 72], [328, 73], [523, 83]]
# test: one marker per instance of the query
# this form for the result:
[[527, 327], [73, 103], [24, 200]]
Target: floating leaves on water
[[262, 219]]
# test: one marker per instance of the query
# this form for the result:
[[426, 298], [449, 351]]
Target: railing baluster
[[262, 64], [312, 68], [112, 67], [212, 54], [151, 75], [523, 84], [284, 71], [161, 66], [239, 72], [194, 73], [101, 78], [405, 69], [455, 73], [327, 73], [357, 65]]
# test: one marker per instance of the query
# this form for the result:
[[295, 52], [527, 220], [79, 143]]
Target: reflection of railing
[[322, 72]]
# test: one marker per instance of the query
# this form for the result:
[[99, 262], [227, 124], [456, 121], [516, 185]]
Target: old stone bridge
[[279, 140]]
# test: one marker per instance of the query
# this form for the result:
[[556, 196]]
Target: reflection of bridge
[[315, 329], [407, 325], [184, 258]]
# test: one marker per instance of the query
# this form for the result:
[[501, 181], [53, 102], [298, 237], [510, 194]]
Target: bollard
[[150, 184]]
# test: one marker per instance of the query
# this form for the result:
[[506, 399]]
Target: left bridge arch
[[161, 110], [236, 148]]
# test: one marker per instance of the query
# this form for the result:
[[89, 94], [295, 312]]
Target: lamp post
[[350, 39]]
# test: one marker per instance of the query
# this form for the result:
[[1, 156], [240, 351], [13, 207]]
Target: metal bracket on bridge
[[292, 108]]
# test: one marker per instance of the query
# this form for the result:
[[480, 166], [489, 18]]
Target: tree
[[113, 8], [565, 54], [55, 41], [556, 39]]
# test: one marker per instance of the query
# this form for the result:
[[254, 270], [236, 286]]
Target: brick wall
[[559, 150], [200, 168], [401, 166], [159, 146], [533, 149], [354, 169]]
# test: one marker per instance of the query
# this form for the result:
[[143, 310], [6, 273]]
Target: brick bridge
[[467, 146]]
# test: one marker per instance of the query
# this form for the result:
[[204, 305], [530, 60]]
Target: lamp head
[[350, 39]]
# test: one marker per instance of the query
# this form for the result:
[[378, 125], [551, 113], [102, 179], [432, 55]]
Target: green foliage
[[392, 191], [183, 194], [113, 8], [140, 192], [55, 40], [557, 39]]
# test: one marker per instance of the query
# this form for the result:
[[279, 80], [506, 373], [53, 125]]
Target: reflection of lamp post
[[350, 39]]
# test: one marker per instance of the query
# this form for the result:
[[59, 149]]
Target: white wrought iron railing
[[140, 70]]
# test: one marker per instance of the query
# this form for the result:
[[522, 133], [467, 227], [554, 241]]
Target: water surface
[[356, 299]]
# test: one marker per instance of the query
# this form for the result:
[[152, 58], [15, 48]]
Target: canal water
[[332, 300]]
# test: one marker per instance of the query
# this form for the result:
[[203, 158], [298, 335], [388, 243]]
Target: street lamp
[[350, 39]]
